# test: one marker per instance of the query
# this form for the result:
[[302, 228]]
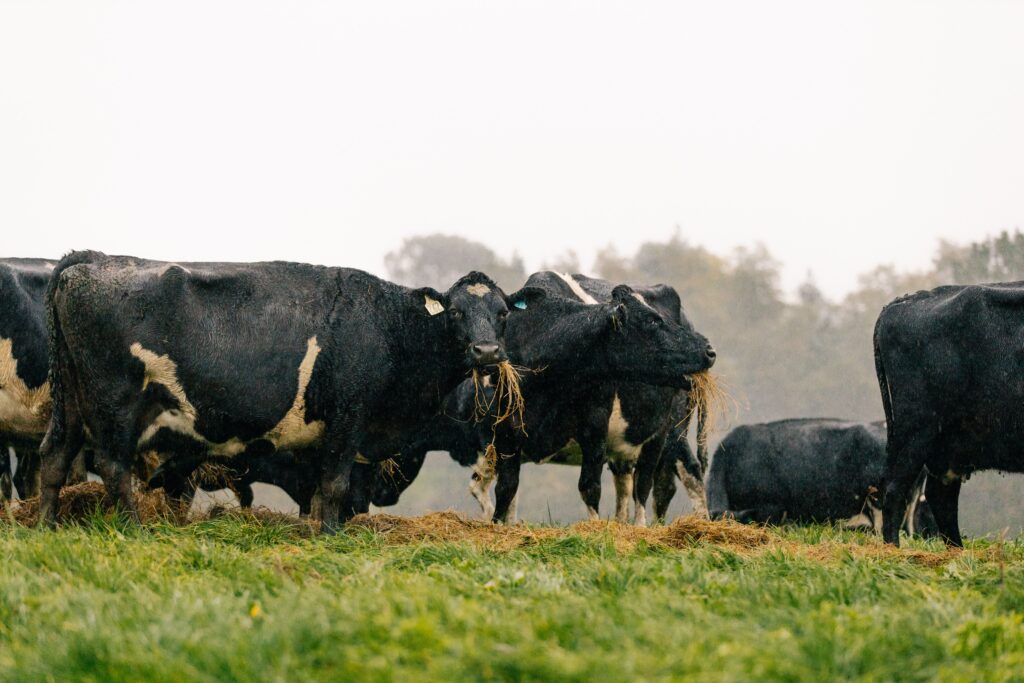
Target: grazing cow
[[617, 396], [180, 477], [230, 358], [24, 390], [801, 470], [951, 372]]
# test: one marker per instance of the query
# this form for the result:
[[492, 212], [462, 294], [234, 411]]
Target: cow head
[[623, 339], [474, 311]]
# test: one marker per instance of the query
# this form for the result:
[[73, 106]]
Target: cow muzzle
[[486, 353]]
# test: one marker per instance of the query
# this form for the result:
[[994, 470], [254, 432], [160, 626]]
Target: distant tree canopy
[[439, 260]]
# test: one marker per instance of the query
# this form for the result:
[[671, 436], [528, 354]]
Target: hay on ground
[[80, 501]]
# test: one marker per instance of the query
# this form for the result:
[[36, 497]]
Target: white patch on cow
[[480, 486], [694, 490], [50, 266], [874, 513], [617, 446], [641, 299], [22, 410], [623, 494], [291, 432], [432, 305], [592, 514], [479, 289], [580, 293]]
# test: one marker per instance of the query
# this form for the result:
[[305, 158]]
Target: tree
[[439, 260]]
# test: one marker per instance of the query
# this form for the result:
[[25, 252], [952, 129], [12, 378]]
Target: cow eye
[[456, 313], [502, 315]]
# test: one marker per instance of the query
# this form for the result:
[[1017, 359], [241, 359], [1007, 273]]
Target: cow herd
[[334, 384]]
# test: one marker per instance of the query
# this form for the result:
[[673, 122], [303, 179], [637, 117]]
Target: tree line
[[800, 356]]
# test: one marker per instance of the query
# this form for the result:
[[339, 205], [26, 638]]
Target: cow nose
[[485, 354], [710, 353]]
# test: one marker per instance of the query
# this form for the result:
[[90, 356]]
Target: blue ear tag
[[521, 305]]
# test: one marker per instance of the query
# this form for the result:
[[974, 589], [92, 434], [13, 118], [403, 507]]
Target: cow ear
[[622, 293], [525, 297], [429, 301]]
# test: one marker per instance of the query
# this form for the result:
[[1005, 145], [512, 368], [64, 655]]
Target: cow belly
[[23, 411], [292, 432]]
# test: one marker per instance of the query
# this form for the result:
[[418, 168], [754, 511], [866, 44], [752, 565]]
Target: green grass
[[237, 600]]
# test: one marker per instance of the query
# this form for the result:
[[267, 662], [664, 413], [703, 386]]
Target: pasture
[[259, 597]]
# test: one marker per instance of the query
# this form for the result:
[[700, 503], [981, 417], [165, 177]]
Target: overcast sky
[[841, 135]]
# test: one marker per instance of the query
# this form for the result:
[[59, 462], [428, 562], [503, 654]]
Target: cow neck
[[427, 363]]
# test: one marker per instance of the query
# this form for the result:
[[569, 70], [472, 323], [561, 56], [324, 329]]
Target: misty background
[[788, 166]]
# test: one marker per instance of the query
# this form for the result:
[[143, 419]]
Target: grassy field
[[242, 598]]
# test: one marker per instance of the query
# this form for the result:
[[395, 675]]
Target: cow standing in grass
[[622, 411], [950, 364], [228, 358]]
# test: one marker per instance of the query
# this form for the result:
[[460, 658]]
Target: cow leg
[[480, 485], [78, 473], [944, 501], [357, 501], [55, 463], [899, 486], [664, 487], [695, 491], [334, 484], [26, 476], [6, 483], [115, 466], [245, 496], [507, 486], [643, 478], [592, 448], [622, 473]]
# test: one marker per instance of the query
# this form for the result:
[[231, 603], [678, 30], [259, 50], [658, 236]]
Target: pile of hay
[[450, 527], [81, 501]]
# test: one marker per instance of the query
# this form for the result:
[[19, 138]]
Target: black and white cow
[[616, 406], [800, 470], [951, 372], [24, 390], [585, 363], [227, 358]]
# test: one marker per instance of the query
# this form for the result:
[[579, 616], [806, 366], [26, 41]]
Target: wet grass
[[249, 598]]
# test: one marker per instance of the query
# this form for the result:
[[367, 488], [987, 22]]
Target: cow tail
[[883, 382], [61, 401], [718, 496]]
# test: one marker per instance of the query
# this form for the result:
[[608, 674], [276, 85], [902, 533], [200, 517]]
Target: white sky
[[840, 134]]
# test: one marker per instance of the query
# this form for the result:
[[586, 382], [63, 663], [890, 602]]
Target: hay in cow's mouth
[[710, 401], [507, 401], [213, 475], [390, 468]]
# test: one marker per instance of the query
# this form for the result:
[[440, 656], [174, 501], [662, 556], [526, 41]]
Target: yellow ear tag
[[433, 306]]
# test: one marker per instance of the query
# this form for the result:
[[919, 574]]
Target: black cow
[[583, 392], [24, 390], [951, 372], [801, 470], [295, 475], [612, 401], [228, 358]]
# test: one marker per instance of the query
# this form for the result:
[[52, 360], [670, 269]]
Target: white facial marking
[[432, 305], [642, 300], [291, 432], [479, 289], [694, 490], [22, 410], [580, 293]]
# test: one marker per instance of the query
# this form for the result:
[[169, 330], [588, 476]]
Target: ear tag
[[521, 305], [433, 306]]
